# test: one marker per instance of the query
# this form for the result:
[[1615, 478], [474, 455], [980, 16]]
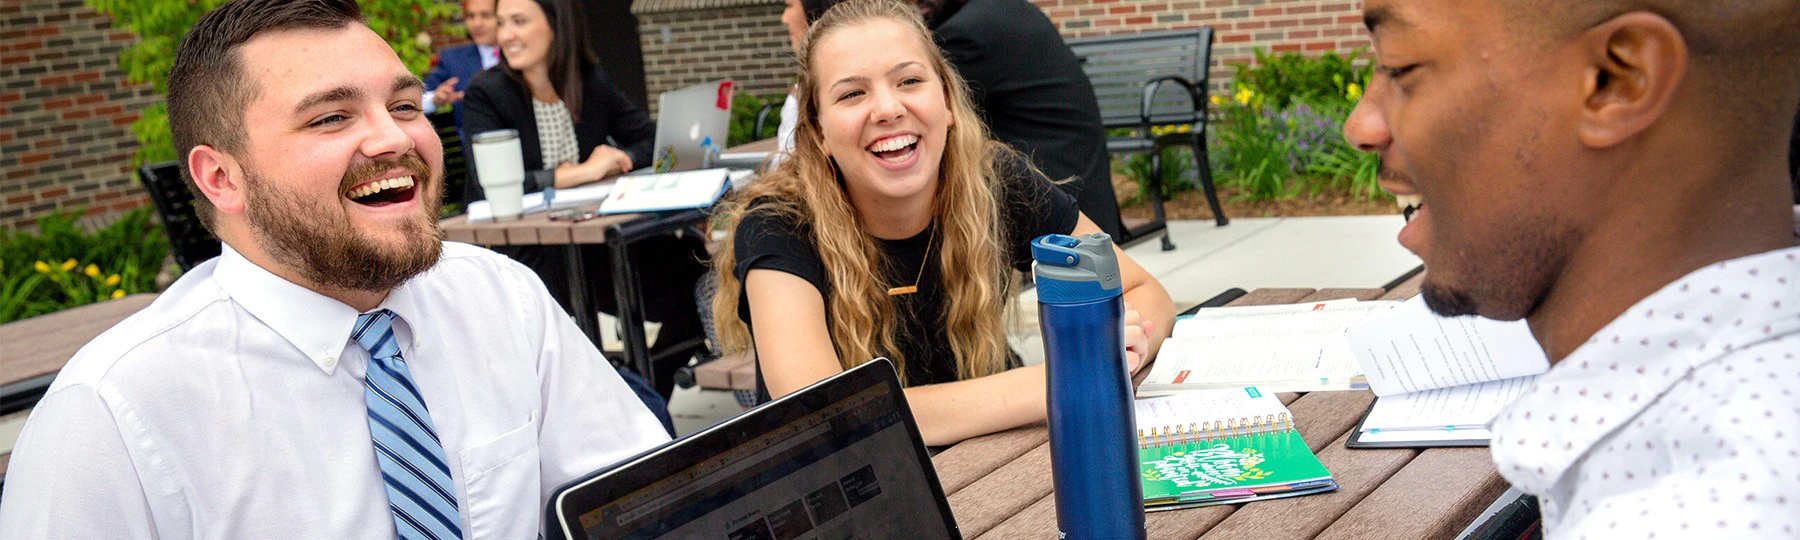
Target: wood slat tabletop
[[1000, 485], [41, 345]]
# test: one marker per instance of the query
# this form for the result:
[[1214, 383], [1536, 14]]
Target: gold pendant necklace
[[926, 259]]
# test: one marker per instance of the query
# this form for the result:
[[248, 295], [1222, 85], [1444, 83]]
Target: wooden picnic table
[[38, 347], [1000, 485]]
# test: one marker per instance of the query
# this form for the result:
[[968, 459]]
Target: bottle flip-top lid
[[1075, 268]]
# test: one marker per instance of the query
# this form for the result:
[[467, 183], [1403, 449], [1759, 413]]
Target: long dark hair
[[569, 56]]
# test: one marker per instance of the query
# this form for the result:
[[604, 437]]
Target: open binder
[[1223, 446]]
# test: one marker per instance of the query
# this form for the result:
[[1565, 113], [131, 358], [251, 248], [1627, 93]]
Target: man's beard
[[317, 240]]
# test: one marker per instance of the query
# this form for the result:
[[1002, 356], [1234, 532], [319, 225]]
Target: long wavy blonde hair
[[808, 189]]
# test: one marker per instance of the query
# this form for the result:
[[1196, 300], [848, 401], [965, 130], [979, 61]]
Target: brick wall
[[745, 42], [65, 113]]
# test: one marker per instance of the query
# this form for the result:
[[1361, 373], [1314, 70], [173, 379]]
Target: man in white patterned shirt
[[339, 372], [1614, 172]]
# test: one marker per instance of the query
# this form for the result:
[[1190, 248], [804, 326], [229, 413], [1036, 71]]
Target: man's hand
[[445, 93]]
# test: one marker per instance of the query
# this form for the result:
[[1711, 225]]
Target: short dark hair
[[207, 88], [569, 57]]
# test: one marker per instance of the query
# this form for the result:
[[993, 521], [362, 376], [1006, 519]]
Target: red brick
[[10, 97], [90, 99], [1154, 8], [1251, 25], [81, 114], [29, 159], [1265, 12], [127, 205], [42, 31], [14, 59], [121, 35], [1321, 46], [109, 109], [1234, 38], [1139, 20], [1350, 19], [1285, 48], [1302, 9], [1122, 10], [107, 196], [6, 137], [85, 77], [53, 80], [1333, 32], [46, 143], [53, 193], [58, 103], [20, 199], [1284, 23], [124, 120], [28, 45]]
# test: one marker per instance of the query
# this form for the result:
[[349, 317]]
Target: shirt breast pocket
[[502, 479]]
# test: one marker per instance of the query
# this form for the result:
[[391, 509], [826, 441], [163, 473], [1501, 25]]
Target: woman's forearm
[[950, 412]]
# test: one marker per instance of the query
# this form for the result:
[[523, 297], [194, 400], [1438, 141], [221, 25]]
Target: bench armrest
[[1150, 89], [761, 116]]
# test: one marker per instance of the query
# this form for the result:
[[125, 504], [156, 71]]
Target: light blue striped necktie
[[419, 489]]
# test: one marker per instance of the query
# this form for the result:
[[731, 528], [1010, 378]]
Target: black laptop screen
[[847, 469]]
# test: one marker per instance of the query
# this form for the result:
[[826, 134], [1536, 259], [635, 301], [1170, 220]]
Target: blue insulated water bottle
[[1092, 450]]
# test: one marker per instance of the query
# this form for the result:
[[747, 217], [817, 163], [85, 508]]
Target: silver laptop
[[689, 118], [836, 460]]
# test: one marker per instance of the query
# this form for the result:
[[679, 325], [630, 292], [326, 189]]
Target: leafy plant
[[1282, 80], [160, 24], [744, 108], [1177, 173], [62, 266]]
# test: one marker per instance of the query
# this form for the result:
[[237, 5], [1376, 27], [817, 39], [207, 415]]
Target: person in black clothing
[[550, 88], [1030, 90], [895, 229]]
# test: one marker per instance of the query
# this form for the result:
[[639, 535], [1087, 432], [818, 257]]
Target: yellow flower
[[118, 294], [68, 265], [42, 267], [1243, 96], [92, 271], [112, 280], [1218, 100], [1354, 92]]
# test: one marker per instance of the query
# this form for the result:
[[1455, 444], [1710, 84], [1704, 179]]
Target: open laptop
[[839, 459], [687, 119]]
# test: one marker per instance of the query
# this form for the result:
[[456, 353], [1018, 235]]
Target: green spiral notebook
[[1224, 446]]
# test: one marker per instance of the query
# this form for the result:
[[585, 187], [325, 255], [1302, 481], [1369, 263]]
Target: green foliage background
[[44, 271], [160, 24]]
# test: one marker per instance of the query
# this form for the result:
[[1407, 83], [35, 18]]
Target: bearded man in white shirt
[[1614, 172], [339, 372]]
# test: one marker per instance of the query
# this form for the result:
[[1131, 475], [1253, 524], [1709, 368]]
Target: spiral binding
[[1171, 435]]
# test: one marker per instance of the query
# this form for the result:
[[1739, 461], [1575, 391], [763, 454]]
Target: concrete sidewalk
[[1250, 253]]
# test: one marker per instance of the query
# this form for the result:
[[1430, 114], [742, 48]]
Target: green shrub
[[61, 266], [159, 25], [743, 116], [1283, 80]]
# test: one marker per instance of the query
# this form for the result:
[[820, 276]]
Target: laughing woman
[[550, 88], [894, 230]]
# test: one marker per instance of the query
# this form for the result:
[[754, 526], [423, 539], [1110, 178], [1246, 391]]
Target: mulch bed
[[1192, 205]]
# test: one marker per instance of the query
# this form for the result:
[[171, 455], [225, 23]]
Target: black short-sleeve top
[[1033, 207]]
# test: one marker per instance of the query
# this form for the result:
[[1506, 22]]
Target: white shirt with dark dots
[[1680, 419]]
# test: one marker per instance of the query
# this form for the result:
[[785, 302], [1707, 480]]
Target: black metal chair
[[190, 241], [1127, 72], [456, 164]]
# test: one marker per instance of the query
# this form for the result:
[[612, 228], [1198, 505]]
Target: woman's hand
[[1137, 339], [606, 162]]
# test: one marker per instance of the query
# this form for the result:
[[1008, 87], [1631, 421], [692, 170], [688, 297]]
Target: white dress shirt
[[233, 407], [1680, 419]]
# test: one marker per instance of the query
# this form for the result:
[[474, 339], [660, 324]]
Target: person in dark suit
[[550, 88], [456, 66], [1032, 93]]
